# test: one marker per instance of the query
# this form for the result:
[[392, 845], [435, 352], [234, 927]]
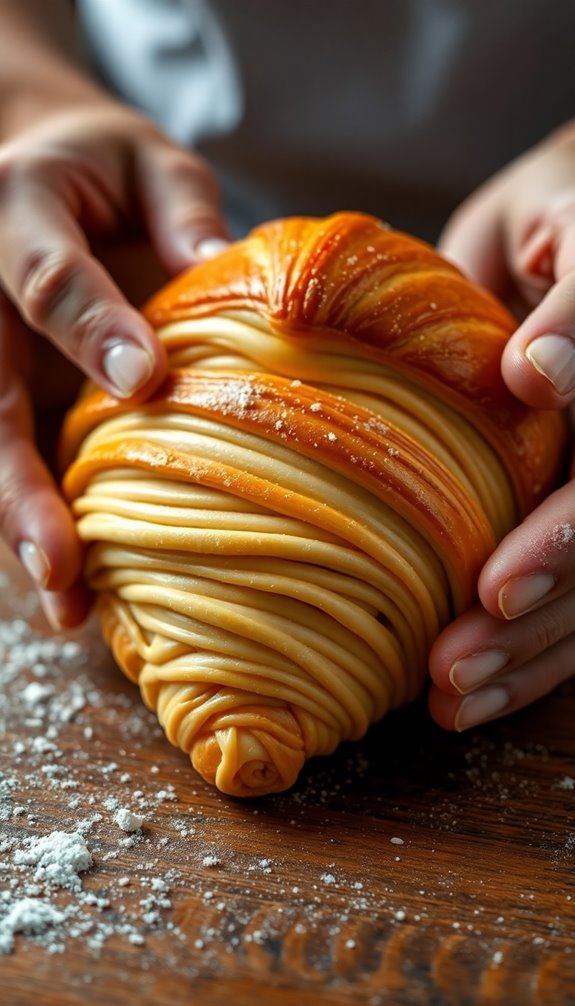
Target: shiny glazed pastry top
[[278, 536]]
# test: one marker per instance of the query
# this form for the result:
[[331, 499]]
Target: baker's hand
[[66, 181], [516, 236]]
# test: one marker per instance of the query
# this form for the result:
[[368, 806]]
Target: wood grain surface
[[416, 867]]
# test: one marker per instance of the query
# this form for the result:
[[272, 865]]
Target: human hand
[[100, 172], [516, 236]]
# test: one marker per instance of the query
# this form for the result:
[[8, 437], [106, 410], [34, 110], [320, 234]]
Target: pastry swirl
[[278, 536]]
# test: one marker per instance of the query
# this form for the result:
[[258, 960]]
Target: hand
[[76, 177], [516, 236]]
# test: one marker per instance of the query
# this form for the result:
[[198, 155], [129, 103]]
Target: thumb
[[181, 204], [539, 360]]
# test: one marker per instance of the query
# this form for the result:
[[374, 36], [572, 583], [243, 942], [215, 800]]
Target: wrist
[[41, 66]]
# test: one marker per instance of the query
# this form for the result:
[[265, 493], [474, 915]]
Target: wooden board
[[417, 867]]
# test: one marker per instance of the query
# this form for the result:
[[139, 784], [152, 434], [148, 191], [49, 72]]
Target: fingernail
[[481, 706], [53, 609], [35, 561], [210, 247], [127, 366], [469, 672], [519, 595], [554, 357]]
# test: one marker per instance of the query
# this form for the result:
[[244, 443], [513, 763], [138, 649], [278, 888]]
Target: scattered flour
[[42, 893], [127, 820], [30, 916], [59, 858], [328, 878], [211, 861], [60, 887]]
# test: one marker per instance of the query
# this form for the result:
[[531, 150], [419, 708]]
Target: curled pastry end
[[261, 752], [120, 636]]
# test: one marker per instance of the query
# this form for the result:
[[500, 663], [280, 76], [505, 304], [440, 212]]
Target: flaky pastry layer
[[278, 536]]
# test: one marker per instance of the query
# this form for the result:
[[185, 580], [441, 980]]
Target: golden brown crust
[[393, 299]]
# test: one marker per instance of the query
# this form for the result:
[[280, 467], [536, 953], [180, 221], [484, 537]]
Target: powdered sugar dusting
[[230, 396]]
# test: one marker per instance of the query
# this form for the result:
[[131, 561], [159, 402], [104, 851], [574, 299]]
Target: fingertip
[[130, 368], [522, 572], [209, 248], [66, 609], [443, 707], [553, 358], [541, 372], [187, 248], [35, 521], [493, 577], [539, 360], [35, 561], [132, 361], [181, 203], [47, 543], [467, 634], [441, 657], [64, 597]]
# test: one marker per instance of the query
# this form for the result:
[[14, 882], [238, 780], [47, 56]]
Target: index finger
[[63, 292]]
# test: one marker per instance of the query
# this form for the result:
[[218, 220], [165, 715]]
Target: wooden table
[[416, 867]]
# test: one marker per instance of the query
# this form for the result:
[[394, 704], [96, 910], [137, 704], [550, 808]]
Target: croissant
[[278, 536]]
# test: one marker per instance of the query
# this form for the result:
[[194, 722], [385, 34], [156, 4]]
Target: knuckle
[[200, 220], [48, 277], [191, 171], [549, 676], [550, 627], [87, 329], [20, 165]]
